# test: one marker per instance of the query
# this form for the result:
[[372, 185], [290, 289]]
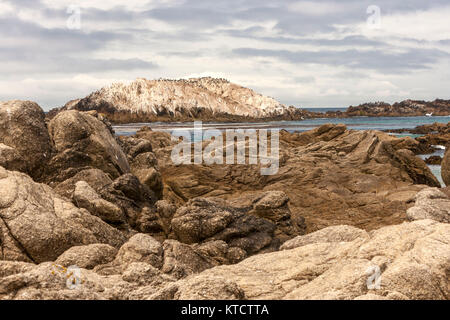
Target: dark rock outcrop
[[445, 170], [261, 226], [437, 107], [434, 160]]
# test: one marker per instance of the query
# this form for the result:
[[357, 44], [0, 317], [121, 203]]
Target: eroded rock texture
[[82, 141], [37, 225], [24, 139], [120, 221], [331, 175]]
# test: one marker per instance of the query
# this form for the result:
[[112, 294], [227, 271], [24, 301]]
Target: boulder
[[22, 128], [134, 146], [145, 275], [432, 204], [151, 178], [273, 206], [406, 261], [166, 210], [82, 141], [137, 201], [261, 225], [11, 159], [143, 163], [86, 197], [182, 260], [38, 225], [140, 248], [96, 178], [445, 169], [87, 257]]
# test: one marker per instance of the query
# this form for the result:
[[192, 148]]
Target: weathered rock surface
[[96, 179], [86, 197], [332, 176], [435, 160], [179, 99], [406, 261], [140, 268], [137, 202], [143, 163], [37, 225], [141, 248], [181, 260], [11, 159], [413, 259], [262, 224], [87, 257], [82, 141], [430, 204], [445, 169], [23, 129], [333, 234]]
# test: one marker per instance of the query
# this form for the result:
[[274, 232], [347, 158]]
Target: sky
[[302, 53]]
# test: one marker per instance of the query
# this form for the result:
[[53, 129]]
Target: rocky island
[[137, 226], [182, 100], [211, 99], [405, 108]]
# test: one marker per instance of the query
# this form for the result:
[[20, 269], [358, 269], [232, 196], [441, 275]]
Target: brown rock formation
[[406, 261], [412, 259], [331, 176], [261, 224], [435, 160], [215, 231], [445, 171], [37, 225], [24, 139], [82, 141]]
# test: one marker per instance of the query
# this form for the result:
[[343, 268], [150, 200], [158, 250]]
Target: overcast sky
[[303, 53]]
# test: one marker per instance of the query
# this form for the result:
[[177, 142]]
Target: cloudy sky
[[303, 53]]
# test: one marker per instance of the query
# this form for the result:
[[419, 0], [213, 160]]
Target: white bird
[[429, 114]]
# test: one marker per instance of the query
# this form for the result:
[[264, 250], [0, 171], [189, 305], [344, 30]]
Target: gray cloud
[[233, 36], [375, 60]]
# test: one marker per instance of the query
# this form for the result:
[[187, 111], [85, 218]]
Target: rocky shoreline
[[137, 226], [433, 136]]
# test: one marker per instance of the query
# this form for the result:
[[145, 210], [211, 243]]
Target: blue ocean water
[[323, 110], [356, 123], [436, 169]]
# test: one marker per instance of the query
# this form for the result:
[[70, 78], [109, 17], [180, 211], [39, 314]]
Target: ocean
[[323, 110], [355, 123]]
